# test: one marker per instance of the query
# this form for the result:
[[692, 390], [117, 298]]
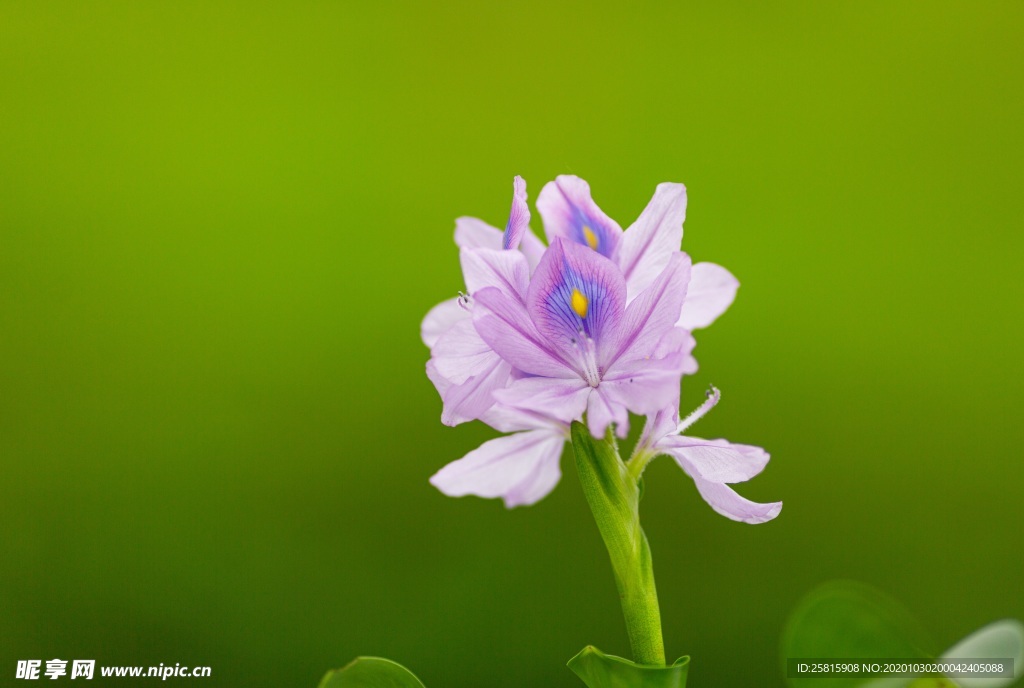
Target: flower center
[[591, 238], [579, 303]]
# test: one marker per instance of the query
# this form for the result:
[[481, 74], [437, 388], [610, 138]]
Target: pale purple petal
[[521, 469], [510, 419], [650, 241], [485, 267], [659, 425], [570, 213], [471, 232], [678, 340], [563, 400], [470, 399], [725, 501], [575, 293], [712, 290], [504, 324], [716, 460], [461, 353], [644, 386], [652, 314], [440, 318], [518, 217], [603, 409]]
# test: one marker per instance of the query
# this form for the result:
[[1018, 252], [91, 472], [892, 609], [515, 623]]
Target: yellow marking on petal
[[579, 303], [591, 238]]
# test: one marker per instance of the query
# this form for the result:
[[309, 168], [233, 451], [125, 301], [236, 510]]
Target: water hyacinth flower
[[595, 326]]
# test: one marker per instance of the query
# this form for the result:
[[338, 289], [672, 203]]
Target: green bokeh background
[[220, 225]]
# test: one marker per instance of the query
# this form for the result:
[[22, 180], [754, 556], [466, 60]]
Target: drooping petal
[[650, 241], [999, 640], [440, 318], [470, 399], [460, 353], [712, 290], [575, 294], [518, 217], [563, 400], [603, 409], [505, 325], [717, 461], [521, 469], [570, 213], [644, 386], [485, 267], [471, 232], [652, 314], [725, 501]]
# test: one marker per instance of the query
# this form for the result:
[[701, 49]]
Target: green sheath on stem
[[614, 498]]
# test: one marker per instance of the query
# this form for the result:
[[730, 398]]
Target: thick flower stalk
[[563, 343]]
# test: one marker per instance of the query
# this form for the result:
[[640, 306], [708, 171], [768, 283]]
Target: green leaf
[[848, 620], [371, 672], [599, 670]]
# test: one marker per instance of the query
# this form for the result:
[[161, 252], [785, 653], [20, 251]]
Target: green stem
[[613, 494]]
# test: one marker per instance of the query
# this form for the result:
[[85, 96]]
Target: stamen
[[580, 303], [713, 396], [465, 300], [591, 238], [587, 351]]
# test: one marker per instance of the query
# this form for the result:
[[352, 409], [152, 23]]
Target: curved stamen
[[713, 396]]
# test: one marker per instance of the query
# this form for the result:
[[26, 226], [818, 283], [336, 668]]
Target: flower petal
[[652, 314], [505, 325], [470, 399], [440, 318], [518, 217], [521, 468], [603, 410], [712, 290], [650, 241], [644, 386], [485, 267], [563, 400], [510, 419], [718, 461], [570, 213], [678, 340], [471, 232], [725, 501], [461, 353], [999, 640], [575, 292]]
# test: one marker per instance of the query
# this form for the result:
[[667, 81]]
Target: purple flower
[[596, 325], [713, 464]]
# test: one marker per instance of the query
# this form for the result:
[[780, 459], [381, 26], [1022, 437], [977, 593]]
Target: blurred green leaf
[[599, 670], [844, 619], [371, 672]]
